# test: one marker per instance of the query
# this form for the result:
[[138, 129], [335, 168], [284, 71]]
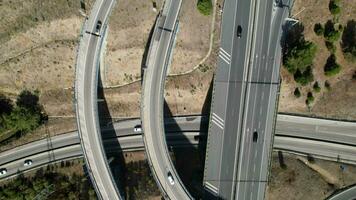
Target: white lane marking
[[219, 118], [224, 56], [218, 121]]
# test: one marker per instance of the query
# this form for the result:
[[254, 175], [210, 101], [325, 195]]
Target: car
[[170, 178], [3, 171], [27, 163], [239, 31], [255, 136], [138, 129], [98, 27]]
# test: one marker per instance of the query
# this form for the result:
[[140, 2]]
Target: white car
[[27, 163], [138, 129], [170, 178], [3, 171]]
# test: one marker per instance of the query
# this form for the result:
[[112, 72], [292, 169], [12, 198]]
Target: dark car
[[98, 27], [255, 136], [239, 31]]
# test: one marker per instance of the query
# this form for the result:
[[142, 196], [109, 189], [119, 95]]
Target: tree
[[330, 46], [334, 7], [348, 43], [304, 77], [318, 29], [316, 87], [327, 85], [205, 7], [5, 105], [330, 33], [331, 68], [297, 93], [22, 120], [310, 98]]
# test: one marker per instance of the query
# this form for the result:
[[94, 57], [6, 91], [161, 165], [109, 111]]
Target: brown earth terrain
[[340, 101], [299, 181]]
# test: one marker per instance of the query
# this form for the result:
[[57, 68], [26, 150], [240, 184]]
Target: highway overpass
[[314, 135], [86, 83], [244, 99], [160, 53]]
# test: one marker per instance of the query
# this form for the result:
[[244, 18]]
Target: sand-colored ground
[[338, 103], [299, 181]]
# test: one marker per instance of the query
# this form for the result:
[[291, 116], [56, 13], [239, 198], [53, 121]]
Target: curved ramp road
[[86, 100], [347, 194], [152, 103]]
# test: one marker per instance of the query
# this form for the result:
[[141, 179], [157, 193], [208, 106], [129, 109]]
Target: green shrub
[[330, 33], [301, 57], [327, 85], [316, 87], [318, 29], [331, 68], [310, 98], [348, 44], [330, 46], [297, 93], [304, 77], [205, 7], [334, 7]]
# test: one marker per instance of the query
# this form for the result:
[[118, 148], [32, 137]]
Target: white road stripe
[[217, 123]]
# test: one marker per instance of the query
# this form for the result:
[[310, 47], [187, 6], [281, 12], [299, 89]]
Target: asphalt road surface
[[86, 100], [229, 84], [153, 101], [183, 131]]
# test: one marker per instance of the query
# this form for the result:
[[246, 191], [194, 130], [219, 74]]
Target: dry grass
[[299, 181], [341, 96]]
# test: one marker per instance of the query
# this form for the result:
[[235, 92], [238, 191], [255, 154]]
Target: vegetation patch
[[297, 93], [22, 118], [334, 7], [205, 7], [348, 43], [331, 67], [331, 33], [316, 87], [48, 185], [304, 77], [298, 54]]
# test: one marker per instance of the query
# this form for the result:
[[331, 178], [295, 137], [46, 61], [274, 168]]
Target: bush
[[205, 7], [297, 93], [327, 85], [316, 87], [318, 29], [331, 68], [310, 98], [330, 33], [334, 7], [22, 120], [26, 116], [300, 57], [348, 44], [305, 77], [330, 46]]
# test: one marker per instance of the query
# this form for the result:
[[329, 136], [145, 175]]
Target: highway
[[86, 83], [347, 194], [152, 102], [320, 144], [261, 103], [227, 104], [243, 114]]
